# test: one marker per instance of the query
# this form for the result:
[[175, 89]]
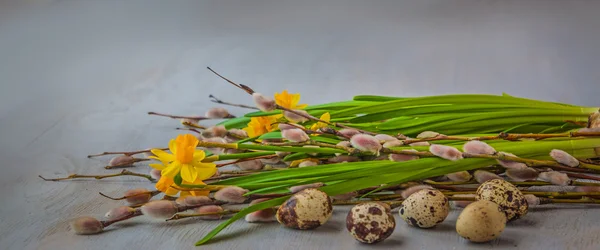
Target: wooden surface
[[78, 77]]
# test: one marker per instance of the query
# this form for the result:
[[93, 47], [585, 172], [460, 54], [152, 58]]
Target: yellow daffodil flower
[[261, 125], [288, 100], [184, 160], [325, 117]]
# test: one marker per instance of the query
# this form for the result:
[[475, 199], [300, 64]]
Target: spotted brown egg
[[481, 221], [425, 208], [370, 222], [307, 209], [506, 195]]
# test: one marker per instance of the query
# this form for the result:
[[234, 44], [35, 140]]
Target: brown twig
[[129, 153], [194, 118], [98, 177], [503, 136], [151, 193], [135, 213], [190, 129], [246, 159], [126, 164], [219, 101], [180, 216]]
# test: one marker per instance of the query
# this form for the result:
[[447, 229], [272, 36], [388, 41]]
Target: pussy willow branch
[[151, 193], [98, 177], [450, 195], [504, 136], [129, 153], [516, 183], [180, 216], [190, 129], [195, 118], [216, 100], [135, 213], [126, 164], [246, 159]]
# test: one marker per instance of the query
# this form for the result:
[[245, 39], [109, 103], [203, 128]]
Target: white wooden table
[[78, 78]]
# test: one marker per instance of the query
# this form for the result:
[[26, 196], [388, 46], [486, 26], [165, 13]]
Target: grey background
[[77, 77]]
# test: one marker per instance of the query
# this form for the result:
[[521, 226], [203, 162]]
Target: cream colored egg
[[307, 209], [481, 221], [370, 222], [425, 208], [506, 195]]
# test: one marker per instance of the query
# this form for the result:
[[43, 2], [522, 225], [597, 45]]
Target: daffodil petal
[[164, 156], [157, 166], [172, 170], [199, 155], [205, 170], [173, 146], [188, 173], [301, 106]]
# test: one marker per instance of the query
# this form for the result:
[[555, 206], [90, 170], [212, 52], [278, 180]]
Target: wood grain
[[77, 77]]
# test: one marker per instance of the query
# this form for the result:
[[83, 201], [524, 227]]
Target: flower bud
[[285, 126], [446, 152], [564, 158], [295, 135], [160, 209], [296, 189], [366, 142], [119, 212], [556, 178], [482, 176], [394, 143], [155, 174], [594, 120], [343, 158], [510, 164], [218, 113], [385, 138], [532, 200], [589, 130], [255, 164], [86, 225], [345, 196], [403, 157], [263, 103], [137, 196], [121, 161], [462, 204], [189, 121], [214, 131], [420, 144], [427, 134], [523, 174], [193, 201], [272, 160], [210, 209], [478, 147], [348, 132], [407, 192], [307, 164], [295, 117], [265, 215], [461, 176], [282, 154], [238, 132], [231, 194], [216, 150]]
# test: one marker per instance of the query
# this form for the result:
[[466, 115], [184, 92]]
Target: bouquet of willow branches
[[414, 154]]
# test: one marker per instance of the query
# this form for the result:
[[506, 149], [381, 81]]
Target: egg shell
[[481, 221], [425, 208], [307, 209], [506, 195], [370, 222]]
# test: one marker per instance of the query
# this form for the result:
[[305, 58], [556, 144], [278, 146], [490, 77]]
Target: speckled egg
[[425, 208], [370, 222], [506, 195], [307, 209], [481, 221]]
